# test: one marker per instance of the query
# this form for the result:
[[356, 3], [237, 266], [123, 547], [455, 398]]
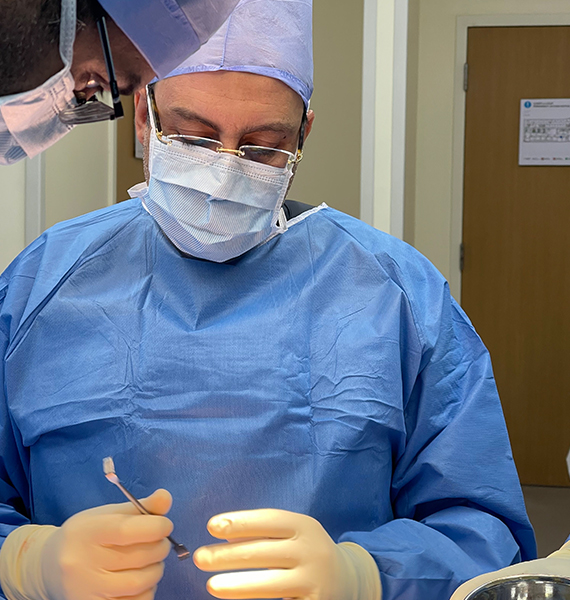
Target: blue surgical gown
[[326, 372]]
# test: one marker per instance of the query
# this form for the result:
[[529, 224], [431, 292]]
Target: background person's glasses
[[92, 110]]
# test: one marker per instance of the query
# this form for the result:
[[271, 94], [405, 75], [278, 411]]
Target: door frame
[[384, 100], [464, 23]]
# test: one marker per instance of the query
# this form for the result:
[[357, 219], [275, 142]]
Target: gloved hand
[[297, 557], [110, 551], [557, 564]]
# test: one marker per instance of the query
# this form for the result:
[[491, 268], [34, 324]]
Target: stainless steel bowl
[[530, 587]]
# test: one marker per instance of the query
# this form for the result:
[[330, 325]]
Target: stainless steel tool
[[109, 470]]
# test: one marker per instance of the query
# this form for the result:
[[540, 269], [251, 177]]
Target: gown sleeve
[[14, 490], [457, 502]]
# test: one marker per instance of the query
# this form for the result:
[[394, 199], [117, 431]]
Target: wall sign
[[545, 133]]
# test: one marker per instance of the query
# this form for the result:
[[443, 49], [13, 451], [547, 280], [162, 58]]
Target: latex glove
[[111, 551], [296, 556], [557, 564]]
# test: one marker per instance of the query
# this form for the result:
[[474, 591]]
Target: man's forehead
[[244, 91]]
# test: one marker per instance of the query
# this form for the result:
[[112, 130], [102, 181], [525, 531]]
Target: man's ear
[[309, 124], [141, 115]]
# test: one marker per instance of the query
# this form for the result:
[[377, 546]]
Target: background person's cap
[[166, 32]]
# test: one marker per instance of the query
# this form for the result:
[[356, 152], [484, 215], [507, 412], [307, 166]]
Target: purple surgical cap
[[166, 32], [266, 37]]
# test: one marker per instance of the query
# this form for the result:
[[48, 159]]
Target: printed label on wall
[[545, 133]]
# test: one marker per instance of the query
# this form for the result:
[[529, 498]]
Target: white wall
[[12, 210], [79, 177], [80, 172], [437, 76], [330, 171]]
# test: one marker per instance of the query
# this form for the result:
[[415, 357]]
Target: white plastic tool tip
[[108, 465]]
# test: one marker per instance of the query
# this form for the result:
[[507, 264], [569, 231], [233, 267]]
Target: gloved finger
[[123, 558], [148, 595], [266, 522], [126, 530], [257, 554], [258, 584], [131, 583], [158, 503]]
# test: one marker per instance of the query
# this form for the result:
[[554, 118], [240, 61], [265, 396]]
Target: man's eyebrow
[[189, 115], [277, 126]]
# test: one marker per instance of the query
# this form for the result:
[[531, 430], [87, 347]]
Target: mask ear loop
[[67, 29], [282, 220]]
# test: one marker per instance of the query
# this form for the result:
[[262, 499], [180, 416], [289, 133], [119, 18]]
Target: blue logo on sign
[[527, 104]]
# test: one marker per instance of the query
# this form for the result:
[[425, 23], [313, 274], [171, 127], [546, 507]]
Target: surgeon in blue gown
[[248, 355]]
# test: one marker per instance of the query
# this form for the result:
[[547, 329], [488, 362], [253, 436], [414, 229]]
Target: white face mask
[[29, 121], [211, 205]]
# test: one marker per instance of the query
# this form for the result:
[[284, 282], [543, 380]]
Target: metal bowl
[[529, 587]]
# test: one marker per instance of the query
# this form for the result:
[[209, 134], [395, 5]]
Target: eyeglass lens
[[267, 156]]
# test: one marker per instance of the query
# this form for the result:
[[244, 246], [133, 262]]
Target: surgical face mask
[[212, 205], [29, 121]]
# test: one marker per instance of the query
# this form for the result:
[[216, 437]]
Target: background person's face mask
[[29, 121], [211, 205]]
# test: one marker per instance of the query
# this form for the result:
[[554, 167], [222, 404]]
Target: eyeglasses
[[92, 110], [273, 157]]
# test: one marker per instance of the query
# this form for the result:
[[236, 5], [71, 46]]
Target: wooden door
[[516, 236]]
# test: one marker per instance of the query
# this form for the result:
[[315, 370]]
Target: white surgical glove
[[111, 551], [557, 564], [295, 556]]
